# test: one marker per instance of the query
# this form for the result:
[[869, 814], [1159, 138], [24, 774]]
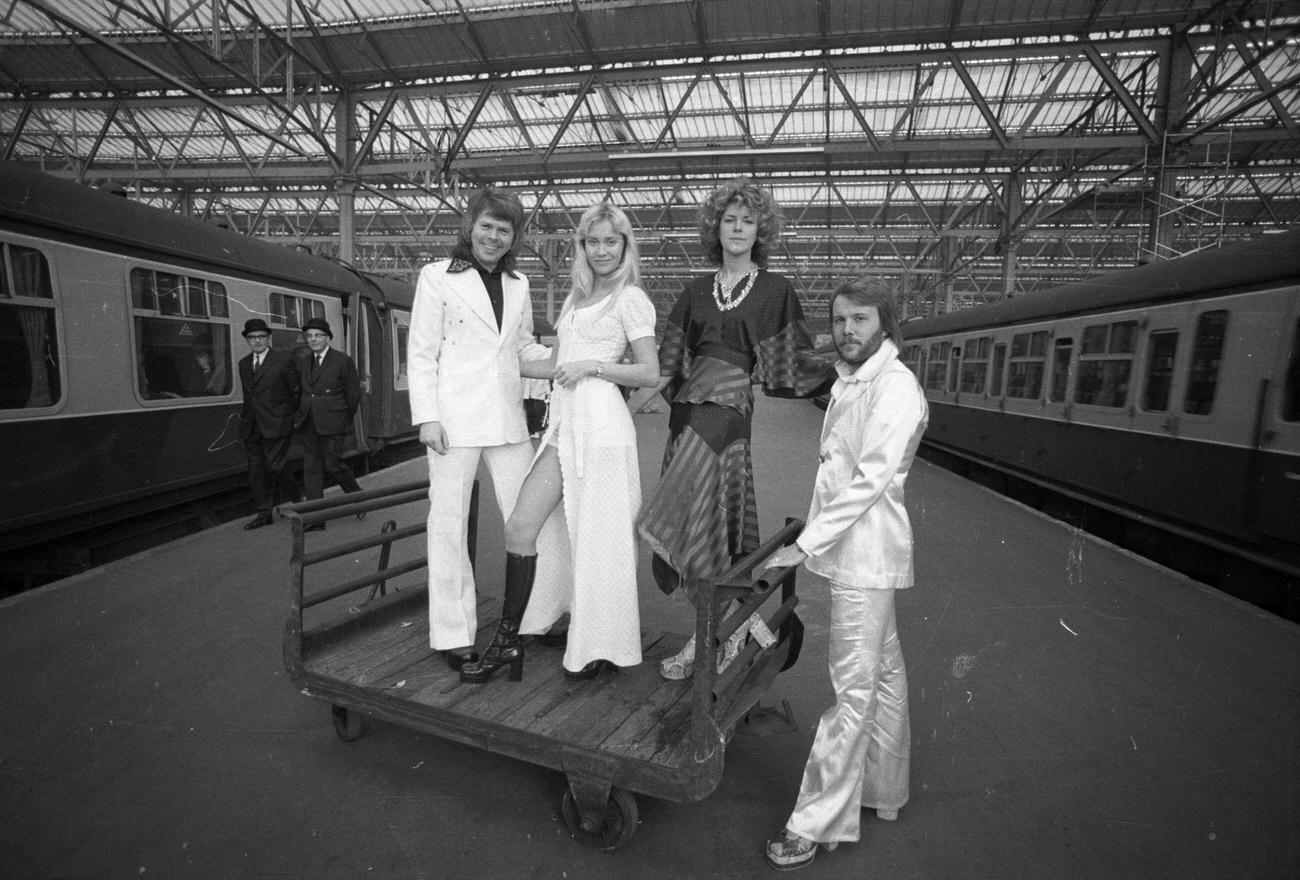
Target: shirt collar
[[462, 264], [871, 366]]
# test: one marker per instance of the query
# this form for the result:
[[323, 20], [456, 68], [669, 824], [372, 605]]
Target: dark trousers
[[268, 458], [323, 454]]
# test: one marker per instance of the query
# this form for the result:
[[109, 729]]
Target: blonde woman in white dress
[[588, 461]]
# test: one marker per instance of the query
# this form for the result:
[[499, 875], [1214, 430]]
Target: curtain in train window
[[1207, 355], [29, 347]]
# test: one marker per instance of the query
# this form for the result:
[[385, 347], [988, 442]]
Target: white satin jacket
[[857, 530]]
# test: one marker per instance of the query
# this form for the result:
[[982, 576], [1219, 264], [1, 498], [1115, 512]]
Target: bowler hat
[[318, 324], [256, 325]]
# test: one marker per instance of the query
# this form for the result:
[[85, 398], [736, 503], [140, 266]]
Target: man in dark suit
[[272, 387], [331, 392]]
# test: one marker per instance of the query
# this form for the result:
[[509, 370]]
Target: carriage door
[[1278, 510]]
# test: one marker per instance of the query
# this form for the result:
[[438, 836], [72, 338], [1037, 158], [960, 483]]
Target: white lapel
[[843, 396], [848, 390]]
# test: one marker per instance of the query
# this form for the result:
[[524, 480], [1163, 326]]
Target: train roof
[[41, 203], [1267, 259]]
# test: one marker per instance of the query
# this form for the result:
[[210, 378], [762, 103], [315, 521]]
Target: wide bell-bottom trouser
[[453, 598], [862, 750]]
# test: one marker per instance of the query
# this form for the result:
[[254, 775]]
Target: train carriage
[[1169, 393], [120, 338]]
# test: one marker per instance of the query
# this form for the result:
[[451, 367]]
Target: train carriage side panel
[[1125, 391], [1276, 473], [96, 434]]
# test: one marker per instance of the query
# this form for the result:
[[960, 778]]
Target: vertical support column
[[944, 297], [550, 250], [1011, 201], [1174, 79], [345, 185]]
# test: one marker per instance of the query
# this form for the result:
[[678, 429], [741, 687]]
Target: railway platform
[[1077, 712]]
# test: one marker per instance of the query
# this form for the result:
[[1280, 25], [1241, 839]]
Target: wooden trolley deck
[[626, 731]]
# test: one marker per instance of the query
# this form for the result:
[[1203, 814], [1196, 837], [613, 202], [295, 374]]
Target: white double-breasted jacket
[[463, 371], [857, 530]]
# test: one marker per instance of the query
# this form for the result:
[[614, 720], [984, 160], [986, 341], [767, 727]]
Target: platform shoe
[[506, 649]]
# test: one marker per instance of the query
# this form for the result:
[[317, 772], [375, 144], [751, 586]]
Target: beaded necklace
[[725, 300]]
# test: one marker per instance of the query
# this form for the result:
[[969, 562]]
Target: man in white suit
[[858, 537], [471, 323]]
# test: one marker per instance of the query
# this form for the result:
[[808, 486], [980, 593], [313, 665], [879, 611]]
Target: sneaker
[[788, 851]]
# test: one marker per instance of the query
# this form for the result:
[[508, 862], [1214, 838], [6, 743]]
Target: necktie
[[257, 363]]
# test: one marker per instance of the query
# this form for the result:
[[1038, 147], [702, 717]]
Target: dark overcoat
[[330, 393], [271, 397]]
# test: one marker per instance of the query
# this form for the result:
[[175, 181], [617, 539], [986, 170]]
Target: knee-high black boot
[[505, 648]]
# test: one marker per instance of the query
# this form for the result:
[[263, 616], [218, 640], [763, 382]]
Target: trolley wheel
[[608, 830], [347, 724]]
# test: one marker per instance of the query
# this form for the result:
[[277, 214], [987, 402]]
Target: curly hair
[[753, 197]]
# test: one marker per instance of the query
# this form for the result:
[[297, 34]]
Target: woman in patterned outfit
[[588, 460], [735, 327]]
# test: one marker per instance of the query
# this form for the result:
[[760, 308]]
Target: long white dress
[[592, 430]]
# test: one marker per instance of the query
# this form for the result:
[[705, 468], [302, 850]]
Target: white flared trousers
[[860, 756], [453, 599]]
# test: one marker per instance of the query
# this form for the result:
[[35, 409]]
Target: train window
[[1291, 386], [1062, 352], [1160, 371], [954, 367], [1094, 339], [1207, 354], [182, 335], [1106, 364], [999, 360], [975, 366], [177, 295], [936, 371], [1028, 362], [294, 311], [29, 342]]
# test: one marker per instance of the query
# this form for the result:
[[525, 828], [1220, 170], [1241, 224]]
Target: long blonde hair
[[628, 273]]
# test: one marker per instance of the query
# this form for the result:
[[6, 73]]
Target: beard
[[857, 355]]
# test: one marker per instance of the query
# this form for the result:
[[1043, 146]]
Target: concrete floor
[[1076, 713]]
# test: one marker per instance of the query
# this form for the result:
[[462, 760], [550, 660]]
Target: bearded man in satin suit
[[859, 538]]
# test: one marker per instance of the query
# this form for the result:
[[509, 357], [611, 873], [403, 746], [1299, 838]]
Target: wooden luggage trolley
[[631, 731]]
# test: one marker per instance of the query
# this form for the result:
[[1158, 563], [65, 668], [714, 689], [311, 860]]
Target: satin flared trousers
[[861, 753]]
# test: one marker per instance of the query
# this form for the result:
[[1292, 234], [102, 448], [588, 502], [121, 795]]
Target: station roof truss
[[972, 149]]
